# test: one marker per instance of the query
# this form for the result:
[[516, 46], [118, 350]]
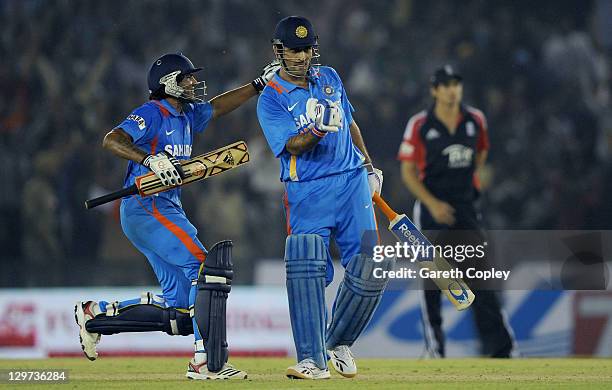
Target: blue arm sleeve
[[141, 124], [202, 114], [277, 124]]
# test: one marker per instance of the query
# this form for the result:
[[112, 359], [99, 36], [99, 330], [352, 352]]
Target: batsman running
[[308, 122], [195, 282]]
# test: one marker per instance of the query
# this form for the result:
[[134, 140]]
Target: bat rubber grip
[[91, 203], [386, 209]]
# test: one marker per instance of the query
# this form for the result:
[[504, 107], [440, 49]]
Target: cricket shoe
[[200, 371], [307, 369], [343, 361], [83, 312]]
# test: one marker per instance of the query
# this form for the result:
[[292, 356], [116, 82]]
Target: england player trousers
[[493, 330], [161, 231]]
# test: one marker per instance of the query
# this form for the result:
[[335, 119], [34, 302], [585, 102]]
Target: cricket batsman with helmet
[[308, 122], [195, 282]]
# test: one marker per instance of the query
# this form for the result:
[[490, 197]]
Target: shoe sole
[[76, 319], [196, 376], [291, 373]]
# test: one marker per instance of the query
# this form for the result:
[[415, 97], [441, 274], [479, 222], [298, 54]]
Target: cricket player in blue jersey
[[308, 122], [195, 282]]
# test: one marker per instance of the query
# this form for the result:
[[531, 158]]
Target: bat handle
[[386, 209], [91, 203]]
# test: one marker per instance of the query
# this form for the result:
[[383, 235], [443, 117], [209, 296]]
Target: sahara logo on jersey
[[459, 156], [139, 121], [178, 150]]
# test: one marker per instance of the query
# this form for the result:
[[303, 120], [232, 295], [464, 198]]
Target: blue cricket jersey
[[281, 110], [157, 126]]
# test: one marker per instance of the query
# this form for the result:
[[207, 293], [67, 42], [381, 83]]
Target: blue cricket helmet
[[296, 33], [168, 71]]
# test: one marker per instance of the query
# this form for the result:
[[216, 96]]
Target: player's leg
[[360, 292], [306, 262], [147, 313], [213, 286], [431, 303], [309, 270], [495, 333], [180, 247], [431, 319]]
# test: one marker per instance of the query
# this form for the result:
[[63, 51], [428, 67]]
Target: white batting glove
[[326, 115], [266, 75], [375, 179], [167, 168]]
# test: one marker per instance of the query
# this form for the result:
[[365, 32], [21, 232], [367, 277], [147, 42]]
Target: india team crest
[[301, 32], [329, 90]]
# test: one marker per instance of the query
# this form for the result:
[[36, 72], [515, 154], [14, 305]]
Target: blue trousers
[[338, 206], [161, 231]]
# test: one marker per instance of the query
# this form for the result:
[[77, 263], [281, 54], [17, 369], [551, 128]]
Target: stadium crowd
[[72, 69]]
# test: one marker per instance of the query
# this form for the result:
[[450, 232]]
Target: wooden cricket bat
[[198, 168], [455, 289]]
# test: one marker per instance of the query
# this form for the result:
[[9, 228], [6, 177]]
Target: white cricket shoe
[[342, 360], [83, 312], [307, 369], [200, 371]]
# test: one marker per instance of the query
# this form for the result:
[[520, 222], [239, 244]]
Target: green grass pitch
[[381, 374]]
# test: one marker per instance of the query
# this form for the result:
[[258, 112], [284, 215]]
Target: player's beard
[[297, 70]]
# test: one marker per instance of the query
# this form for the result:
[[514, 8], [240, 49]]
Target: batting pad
[[358, 296], [143, 318], [305, 261], [214, 284]]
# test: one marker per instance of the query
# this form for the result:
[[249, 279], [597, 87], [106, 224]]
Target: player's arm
[[482, 143], [481, 159], [165, 166], [230, 100], [121, 144], [358, 141], [302, 143], [375, 175], [327, 118], [441, 211]]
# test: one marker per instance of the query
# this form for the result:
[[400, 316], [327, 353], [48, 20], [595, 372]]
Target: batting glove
[[266, 75], [375, 179], [167, 168], [327, 117]]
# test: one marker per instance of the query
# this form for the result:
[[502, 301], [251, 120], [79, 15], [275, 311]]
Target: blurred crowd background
[[72, 70]]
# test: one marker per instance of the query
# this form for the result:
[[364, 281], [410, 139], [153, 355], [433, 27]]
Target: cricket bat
[[198, 168], [455, 289]]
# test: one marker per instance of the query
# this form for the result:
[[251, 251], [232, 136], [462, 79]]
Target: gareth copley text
[[470, 273]]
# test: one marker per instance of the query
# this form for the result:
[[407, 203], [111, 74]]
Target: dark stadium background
[[71, 70]]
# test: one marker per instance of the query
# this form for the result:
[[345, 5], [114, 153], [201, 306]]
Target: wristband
[[317, 133]]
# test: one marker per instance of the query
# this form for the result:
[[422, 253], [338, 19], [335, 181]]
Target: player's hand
[[266, 75], [442, 212], [375, 179], [167, 168], [327, 115]]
